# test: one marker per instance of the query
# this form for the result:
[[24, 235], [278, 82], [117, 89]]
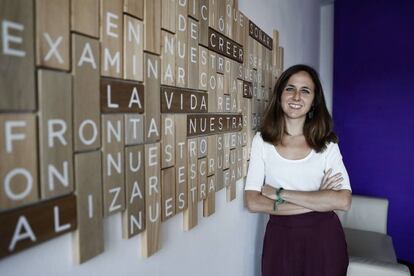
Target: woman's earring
[[310, 114]]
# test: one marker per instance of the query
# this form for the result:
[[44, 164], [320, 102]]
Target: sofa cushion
[[372, 245]]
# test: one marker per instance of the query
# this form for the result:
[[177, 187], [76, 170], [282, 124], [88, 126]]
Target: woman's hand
[[269, 192], [331, 182]]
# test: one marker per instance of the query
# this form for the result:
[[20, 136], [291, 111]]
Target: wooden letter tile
[[89, 237], [167, 141], [202, 178], [181, 162], [55, 133], [169, 15], [133, 49], [152, 82], [209, 204], [182, 45], [133, 217], [152, 24], [85, 17], [18, 159], [168, 50], [135, 8], [191, 213], [168, 193], [134, 130], [52, 34]]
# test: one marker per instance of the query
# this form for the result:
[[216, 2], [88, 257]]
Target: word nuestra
[[198, 124]]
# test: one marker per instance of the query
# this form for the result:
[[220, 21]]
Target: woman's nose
[[296, 95]]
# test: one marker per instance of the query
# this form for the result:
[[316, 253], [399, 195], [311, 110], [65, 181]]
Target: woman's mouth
[[294, 106]]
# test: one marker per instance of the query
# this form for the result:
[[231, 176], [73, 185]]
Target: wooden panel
[[198, 124], [179, 100], [243, 22], [239, 164], [182, 44], [168, 50], [226, 151], [55, 133], [152, 97], [202, 147], [191, 213], [86, 120], [32, 225], [212, 82], [113, 164], [231, 188], [220, 163], [134, 129], [88, 239], [17, 76], [226, 180], [228, 29], [245, 160], [111, 38], [152, 23], [168, 193], [194, 9], [151, 236], [209, 204], [224, 45], [212, 155], [212, 13], [202, 178], [18, 159], [220, 93], [227, 76], [121, 96], [204, 12], [169, 15], [133, 217], [52, 34], [85, 17], [221, 16], [181, 162], [260, 35], [167, 141], [133, 49], [134, 7], [192, 55], [203, 68]]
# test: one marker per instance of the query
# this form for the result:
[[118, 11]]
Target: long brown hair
[[318, 127]]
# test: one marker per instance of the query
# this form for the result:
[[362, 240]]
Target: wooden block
[[212, 82], [242, 29], [226, 179], [239, 164], [226, 151], [191, 213], [17, 75], [227, 103], [121, 96], [231, 188], [202, 178], [55, 133], [213, 13], [259, 35], [220, 162], [228, 28], [233, 140], [221, 16], [212, 155], [204, 13], [168, 193], [133, 218], [194, 9], [192, 55], [224, 45], [85, 17], [220, 93], [88, 238], [240, 99], [204, 124], [168, 50], [209, 204], [220, 64], [182, 44], [52, 34], [111, 38], [32, 225], [86, 119], [203, 68], [152, 97], [236, 25], [169, 15], [134, 129], [179, 100], [113, 164], [151, 235], [152, 24], [135, 8], [202, 146], [244, 162], [181, 186], [133, 58], [18, 159], [167, 141]]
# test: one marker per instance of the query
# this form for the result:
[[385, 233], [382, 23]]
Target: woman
[[297, 156]]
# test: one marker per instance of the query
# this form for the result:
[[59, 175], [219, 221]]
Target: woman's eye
[[289, 89], [306, 91]]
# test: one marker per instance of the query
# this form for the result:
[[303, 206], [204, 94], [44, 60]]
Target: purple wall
[[373, 106]]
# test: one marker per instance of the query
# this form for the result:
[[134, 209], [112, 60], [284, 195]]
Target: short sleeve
[[334, 161], [256, 173]]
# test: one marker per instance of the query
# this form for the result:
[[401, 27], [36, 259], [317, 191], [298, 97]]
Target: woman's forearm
[[321, 201], [260, 204]]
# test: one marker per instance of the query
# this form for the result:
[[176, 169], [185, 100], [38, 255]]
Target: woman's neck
[[294, 127]]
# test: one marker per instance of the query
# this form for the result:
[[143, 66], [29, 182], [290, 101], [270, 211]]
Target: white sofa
[[371, 252]]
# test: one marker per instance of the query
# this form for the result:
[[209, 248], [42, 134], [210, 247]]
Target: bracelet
[[279, 200]]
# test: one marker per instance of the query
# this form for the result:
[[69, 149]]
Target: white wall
[[227, 243]]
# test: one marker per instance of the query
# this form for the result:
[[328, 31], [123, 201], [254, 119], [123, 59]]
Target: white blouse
[[267, 166]]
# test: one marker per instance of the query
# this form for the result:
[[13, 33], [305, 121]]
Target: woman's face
[[298, 95]]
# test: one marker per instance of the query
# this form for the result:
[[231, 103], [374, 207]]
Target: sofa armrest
[[366, 213], [368, 267]]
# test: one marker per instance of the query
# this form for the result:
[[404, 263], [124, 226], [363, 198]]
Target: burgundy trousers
[[310, 244]]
